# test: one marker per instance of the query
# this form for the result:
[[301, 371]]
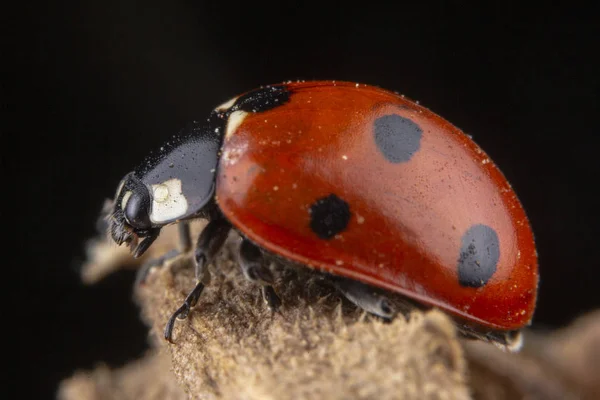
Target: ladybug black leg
[[365, 297], [145, 269], [251, 260], [185, 244], [209, 244], [185, 236]]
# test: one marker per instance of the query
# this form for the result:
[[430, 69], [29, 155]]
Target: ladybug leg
[[251, 260], [209, 244], [365, 297], [185, 244], [506, 340], [185, 236]]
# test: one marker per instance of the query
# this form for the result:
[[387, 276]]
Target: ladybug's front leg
[[185, 244], [365, 297], [251, 260], [209, 244]]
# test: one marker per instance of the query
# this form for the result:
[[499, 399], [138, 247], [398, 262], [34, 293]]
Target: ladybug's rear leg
[[185, 244], [365, 297], [209, 244], [251, 260]]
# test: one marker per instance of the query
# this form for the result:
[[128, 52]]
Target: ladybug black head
[[130, 218], [174, 184]]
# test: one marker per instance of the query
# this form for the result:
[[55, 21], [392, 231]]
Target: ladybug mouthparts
[[120, 231]]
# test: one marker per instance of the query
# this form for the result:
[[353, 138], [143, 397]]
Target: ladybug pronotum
[[353, 181]]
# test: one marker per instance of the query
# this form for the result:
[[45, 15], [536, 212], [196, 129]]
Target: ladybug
[[359, 183]]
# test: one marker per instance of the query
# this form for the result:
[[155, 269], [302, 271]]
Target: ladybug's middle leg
[[209, 244], [364, 297], [251, 260]]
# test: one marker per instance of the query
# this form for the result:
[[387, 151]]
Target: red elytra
[[363, 183]]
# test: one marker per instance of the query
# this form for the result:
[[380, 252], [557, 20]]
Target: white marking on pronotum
[[168, 201], [161, 193], [125, 199], [235, 120], [226, 106]]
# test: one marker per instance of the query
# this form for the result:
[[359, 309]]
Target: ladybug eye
[[136, 207]]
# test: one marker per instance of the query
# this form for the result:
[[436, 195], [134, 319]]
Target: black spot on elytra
[[479, 256], [397, 138], [329, 216], [262, 99]]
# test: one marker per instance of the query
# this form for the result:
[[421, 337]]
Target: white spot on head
[[226, 106], [125, 199], [168, 202], [235, 120]]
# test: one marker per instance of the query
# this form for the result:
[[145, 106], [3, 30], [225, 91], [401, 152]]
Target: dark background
[[93, 87]]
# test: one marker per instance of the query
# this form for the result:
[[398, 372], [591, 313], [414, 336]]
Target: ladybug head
[[130, 217], [174, 184]]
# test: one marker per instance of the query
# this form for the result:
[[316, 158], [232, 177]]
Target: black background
[[92, 87]]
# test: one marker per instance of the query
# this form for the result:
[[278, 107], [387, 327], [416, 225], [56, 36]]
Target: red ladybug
[[352, 180]]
